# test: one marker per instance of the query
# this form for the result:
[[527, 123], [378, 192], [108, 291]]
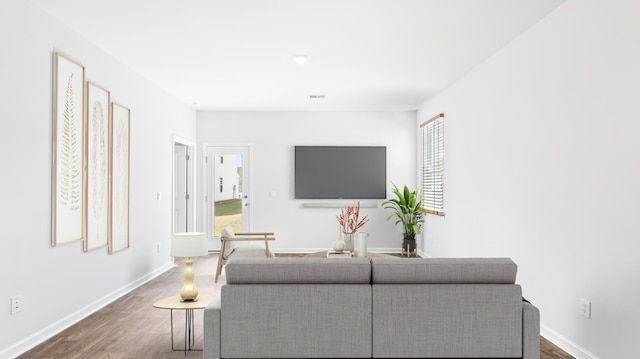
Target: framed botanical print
[[120, 140], [68, 152], [97, 154]]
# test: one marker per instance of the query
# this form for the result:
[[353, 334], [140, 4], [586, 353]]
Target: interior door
[[229, 189], [180, 196], [183, 185]]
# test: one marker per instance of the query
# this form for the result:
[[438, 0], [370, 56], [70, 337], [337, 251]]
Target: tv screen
[[335, 172]]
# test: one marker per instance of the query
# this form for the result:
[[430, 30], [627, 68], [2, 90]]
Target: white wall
[[273, 136], [60, 285], [541, 165]]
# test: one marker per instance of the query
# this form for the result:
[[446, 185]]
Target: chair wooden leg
[[266, 248], [220, 262], [219, 269]]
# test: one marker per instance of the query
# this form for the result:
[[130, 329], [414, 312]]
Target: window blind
[[432, 163]]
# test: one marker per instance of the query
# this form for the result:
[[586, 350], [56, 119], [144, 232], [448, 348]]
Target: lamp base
[[189, 292]]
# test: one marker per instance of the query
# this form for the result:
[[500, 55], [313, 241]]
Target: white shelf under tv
[[338, 204]]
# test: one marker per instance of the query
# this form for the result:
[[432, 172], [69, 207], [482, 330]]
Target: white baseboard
[[560, 341], [565, 344], [44, 334]]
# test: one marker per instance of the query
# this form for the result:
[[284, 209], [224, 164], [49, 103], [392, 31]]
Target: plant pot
[[409, 245]]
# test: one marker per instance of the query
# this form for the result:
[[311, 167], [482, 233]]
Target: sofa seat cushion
[[248, 250], [443, 271], [298, 271]]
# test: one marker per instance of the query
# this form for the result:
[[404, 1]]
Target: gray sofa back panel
[[296, 321], [298, 271], [447, 320], [443, 270]]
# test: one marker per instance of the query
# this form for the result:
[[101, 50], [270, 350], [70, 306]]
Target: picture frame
[[119, 233], [69, 174], [97, 163]]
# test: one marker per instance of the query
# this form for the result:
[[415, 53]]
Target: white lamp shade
[[191, 244]]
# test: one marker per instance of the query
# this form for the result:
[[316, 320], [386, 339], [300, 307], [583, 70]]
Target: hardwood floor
[[132, 328]]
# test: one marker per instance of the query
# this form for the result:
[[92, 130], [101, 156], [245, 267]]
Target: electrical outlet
[[585, 308], [158, 247], [16, 304]]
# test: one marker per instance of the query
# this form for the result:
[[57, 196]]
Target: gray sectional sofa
[[383, 307]]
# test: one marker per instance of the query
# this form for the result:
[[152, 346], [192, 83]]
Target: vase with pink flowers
[[349, 222]]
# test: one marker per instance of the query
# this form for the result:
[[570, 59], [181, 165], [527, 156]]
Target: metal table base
[[189, 332]]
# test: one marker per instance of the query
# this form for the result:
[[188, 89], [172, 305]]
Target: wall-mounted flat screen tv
[[335, 172]]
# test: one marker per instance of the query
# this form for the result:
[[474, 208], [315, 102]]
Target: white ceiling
[[380, 55]]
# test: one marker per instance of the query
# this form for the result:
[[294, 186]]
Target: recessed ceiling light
[[300, 59]]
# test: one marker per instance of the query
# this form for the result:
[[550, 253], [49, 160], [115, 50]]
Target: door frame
[[247, 164], [191, 183]]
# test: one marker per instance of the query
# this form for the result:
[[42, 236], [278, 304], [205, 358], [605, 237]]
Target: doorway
[[229, 189]]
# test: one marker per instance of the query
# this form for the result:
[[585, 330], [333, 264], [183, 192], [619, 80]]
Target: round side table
[[175, 303]]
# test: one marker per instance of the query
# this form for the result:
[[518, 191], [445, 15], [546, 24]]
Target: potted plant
[[349, 222], [407, 209]]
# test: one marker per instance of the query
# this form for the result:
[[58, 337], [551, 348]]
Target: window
[[432, 165]]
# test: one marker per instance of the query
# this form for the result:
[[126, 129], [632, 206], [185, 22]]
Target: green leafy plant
[[407, 209]]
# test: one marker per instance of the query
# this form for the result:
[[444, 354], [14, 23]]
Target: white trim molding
[[565, 344], [48, 332]]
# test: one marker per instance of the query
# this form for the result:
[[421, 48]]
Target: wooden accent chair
[[230, 246]]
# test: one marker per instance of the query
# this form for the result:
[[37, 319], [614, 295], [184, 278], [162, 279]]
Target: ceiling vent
[[317, 96]]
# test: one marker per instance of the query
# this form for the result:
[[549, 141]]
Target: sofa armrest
[[212, 329], [530, 331]]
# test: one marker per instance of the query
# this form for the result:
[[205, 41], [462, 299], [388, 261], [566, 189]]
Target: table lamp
[[189, 245]]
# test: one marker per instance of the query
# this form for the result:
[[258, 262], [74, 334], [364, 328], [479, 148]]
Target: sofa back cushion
[[296, 321], [447, 320], [443, 271], [298, 271]]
